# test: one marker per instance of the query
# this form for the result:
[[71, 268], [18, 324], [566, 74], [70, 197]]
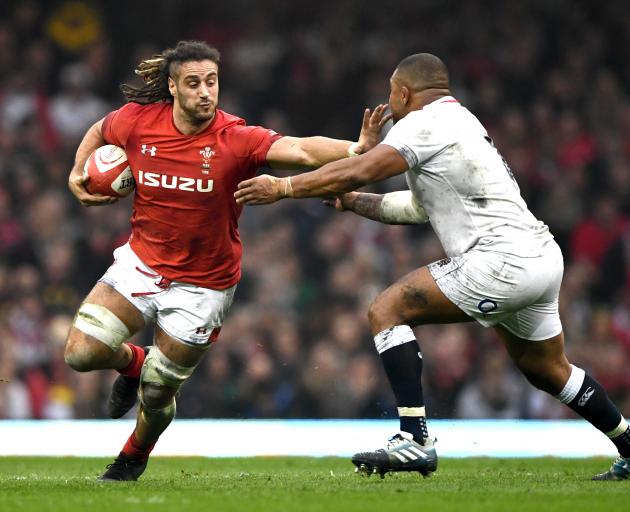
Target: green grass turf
[[308, 484]]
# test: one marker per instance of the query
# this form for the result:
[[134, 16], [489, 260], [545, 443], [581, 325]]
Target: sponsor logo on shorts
[[487, 305], [212, 333]]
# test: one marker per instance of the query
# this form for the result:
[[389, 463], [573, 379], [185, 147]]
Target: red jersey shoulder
[[225, 121], [247, 141], [118, 125]]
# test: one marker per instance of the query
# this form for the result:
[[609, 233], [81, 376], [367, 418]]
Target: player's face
[[397, 99], [195, 89]]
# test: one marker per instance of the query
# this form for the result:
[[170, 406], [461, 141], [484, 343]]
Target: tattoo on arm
[[368, 205]]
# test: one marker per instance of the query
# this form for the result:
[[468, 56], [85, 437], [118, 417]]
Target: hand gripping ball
[[109, 172]]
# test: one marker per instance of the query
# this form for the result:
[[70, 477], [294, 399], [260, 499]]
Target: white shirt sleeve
[[416, 138]]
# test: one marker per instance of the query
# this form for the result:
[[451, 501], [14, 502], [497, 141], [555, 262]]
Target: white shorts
[[191, 314], [521, 294]]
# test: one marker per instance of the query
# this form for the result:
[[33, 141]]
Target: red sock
[[131, 448], [135, 365]]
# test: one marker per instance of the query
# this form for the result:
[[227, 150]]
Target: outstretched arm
[[301, 152], [331, 180], [399, 207]]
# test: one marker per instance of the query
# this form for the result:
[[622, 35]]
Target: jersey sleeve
[[255, 142], [118, 124], [416, 138]]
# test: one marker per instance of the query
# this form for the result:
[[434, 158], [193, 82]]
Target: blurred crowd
[[548, 78]]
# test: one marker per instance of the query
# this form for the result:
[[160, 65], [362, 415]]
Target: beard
[[196, 113]]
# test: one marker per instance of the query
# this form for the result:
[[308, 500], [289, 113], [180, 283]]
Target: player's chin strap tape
[[402, 208], [159, 369], [392, 337], [100, 323]]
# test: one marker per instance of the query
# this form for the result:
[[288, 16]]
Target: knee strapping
[[100, 323], [161, 371], [159, 381], [155, 396], [159, 414]]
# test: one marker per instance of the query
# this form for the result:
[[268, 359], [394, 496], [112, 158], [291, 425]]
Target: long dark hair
[[156, 70]]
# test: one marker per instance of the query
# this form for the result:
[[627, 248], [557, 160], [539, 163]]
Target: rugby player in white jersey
[[503, 268]]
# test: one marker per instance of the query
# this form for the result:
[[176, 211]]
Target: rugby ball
[[109, 172]]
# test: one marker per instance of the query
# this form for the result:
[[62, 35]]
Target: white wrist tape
[[352, 149], [288, 187], [402, 208]]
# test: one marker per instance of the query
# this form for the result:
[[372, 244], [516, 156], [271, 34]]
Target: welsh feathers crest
[[206, 154]]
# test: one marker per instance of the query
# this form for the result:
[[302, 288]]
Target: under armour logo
[[152, 150], [201, 330], [585, 397]]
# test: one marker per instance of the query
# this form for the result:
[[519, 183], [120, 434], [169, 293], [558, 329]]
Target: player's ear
[[171, 86], [405, 94]]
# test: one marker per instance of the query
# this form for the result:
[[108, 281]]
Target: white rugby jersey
[[463, 183]]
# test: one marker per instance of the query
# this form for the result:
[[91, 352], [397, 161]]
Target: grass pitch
[[308, 484]]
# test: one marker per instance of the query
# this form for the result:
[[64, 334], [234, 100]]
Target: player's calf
[[160, 380], [584, 395], [157, 410]]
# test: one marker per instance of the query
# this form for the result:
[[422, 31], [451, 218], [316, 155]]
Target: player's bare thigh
[[543, 362], [104, 295], [414, 299], [178, 352]]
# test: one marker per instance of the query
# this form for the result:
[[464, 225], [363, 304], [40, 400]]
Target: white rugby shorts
[[519, 293], [191, 314]]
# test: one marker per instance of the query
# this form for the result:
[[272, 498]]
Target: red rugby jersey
[[185, 219]]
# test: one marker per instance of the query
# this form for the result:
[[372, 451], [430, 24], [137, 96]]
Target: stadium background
[[549, 78]]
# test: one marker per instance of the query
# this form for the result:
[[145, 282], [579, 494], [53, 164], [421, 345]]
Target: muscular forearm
[[93, 139], [322, 150], [349, 174], [331, 180], [364, 204], [392, 208]]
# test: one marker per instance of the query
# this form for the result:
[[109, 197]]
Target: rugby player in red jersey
[[181, 265]]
